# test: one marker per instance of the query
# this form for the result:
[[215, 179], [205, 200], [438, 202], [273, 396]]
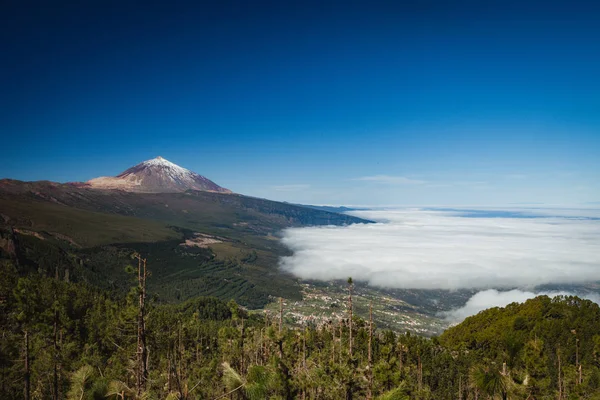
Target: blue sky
[[433, 103]]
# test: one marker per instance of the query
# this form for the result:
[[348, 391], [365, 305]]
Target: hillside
[[199, 242], [191, 209], [204, 348], [548, 346], [557, 323]]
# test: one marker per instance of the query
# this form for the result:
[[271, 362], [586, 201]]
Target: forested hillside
[[199, 243], [70, 340]]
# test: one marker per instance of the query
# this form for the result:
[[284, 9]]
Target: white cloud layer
[[494, 298], [414, 248]]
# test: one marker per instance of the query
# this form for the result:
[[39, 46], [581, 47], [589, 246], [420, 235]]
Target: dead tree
[[332, 342], [576, 352], [142, 351], [56, 358], [350, 319], [370, 355], [280, 313], [304, 349], [242, 347], [400, 354], [341, 336], [27, 389], [420, 371], [560, 386]]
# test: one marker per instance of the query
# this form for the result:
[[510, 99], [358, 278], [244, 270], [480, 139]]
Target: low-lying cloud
[[494, 298], [432, 249]]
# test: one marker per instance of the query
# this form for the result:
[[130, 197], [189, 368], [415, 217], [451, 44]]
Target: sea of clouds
[[454, 249]]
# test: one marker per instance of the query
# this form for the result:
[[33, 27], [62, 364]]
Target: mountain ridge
[[192, 204]]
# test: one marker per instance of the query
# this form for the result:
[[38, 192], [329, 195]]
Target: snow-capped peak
[[162, 162], [157, 175]]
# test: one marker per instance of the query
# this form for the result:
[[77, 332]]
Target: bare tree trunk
[[577, 365], [267, 348], [370, 355], [304, 362], [304, 350], [400, 357], [27, 371], [280, 313], [268, 323], [333, 343], [350, 321], [242, 348], [341, 335], [55, 375], [180, 373], [420, 371], [559, 375], [169, 369], [142, 356], [576, 351], [198, 344], [176, 370], [144, 346], [138, 373], [261, 349]]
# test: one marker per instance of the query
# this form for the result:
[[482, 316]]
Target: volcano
[[156, 176]]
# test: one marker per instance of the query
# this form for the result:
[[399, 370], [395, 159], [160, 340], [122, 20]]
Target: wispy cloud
[[566, 174], [516, 176], [291, 188], [457, 183], [403, 180], [390, 180]]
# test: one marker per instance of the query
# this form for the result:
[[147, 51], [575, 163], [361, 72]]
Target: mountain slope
[[196, 242], [156, 176], [191, 209]]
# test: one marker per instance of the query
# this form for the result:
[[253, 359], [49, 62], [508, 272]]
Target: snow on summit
[[158, 175], [162, 161], [163, 166]]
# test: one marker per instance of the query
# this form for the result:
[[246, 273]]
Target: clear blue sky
[[424, 102]]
